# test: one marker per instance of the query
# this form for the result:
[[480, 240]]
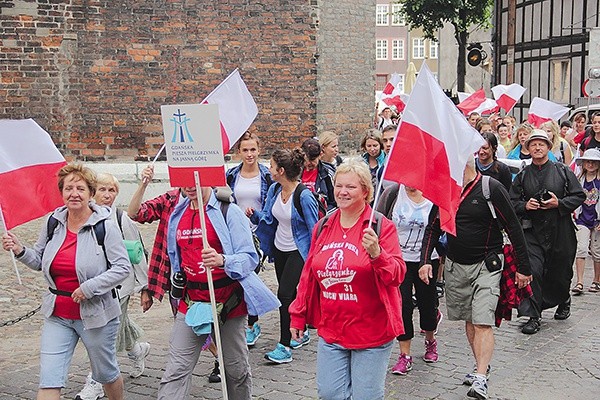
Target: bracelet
[[21, 253]]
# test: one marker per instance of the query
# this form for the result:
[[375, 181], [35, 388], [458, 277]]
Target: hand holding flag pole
[[211, 287], [12, 253]]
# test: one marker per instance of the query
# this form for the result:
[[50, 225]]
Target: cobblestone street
[[562, 361]]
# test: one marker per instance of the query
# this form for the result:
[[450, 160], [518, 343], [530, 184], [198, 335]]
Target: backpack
[[225, 200], [99, 231], [320, 197], [120, 222]]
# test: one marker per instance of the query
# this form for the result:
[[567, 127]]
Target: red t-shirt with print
[[189, 240], [62, 270], [352, 313]]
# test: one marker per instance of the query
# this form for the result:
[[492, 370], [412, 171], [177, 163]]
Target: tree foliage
[[431, 15]]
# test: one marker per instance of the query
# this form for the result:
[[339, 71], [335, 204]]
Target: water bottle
[[178, 285]]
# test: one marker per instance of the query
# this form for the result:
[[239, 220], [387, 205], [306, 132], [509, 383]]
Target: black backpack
[[320, 197]]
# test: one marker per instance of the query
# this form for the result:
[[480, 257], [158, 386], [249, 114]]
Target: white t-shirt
[[411, 219], [284, 239], [247, 194]]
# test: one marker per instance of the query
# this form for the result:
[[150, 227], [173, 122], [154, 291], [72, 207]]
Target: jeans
[[344, 374], [59, 338]]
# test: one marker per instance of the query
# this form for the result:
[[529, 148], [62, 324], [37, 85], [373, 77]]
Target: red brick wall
[[94, 73]]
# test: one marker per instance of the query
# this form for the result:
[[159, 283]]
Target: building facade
[[95, 73], [544, 45], [397, 46]]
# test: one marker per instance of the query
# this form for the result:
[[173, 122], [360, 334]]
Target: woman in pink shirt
[[349, 291]]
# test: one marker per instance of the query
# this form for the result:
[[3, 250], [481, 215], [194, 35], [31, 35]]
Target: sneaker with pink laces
[[431, 354], [403, 365]]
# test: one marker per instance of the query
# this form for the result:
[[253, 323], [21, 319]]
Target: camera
[[178, 284], [542, 195]]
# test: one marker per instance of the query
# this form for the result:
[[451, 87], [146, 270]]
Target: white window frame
[[398, 47], [434, 49], [418, 48], [381, 45], [397, 19], [382, 16]]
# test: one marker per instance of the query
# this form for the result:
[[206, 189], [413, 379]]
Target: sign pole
[[12, 253], [211, 288]]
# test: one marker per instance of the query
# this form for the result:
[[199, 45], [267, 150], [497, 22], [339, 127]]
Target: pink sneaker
[[403, 365], [431, 354]]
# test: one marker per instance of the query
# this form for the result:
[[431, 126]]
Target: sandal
[[595, 287], [578, 289]]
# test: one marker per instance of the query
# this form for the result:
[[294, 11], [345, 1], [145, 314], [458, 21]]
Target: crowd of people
[[351, 262]]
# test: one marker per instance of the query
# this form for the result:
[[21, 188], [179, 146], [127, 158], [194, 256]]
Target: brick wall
[[346, 69], [94, 73]]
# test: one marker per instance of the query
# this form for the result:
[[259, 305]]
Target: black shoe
[[532, 326], [215, 375], [563, 311]]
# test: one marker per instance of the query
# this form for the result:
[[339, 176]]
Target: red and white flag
[[392, 95], [432, 146], [541, 111], [29, 164], [237, 109], [391, 84], [508, 95], [477, 102]]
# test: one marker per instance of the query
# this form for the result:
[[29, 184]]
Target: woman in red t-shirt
[[349, 292]]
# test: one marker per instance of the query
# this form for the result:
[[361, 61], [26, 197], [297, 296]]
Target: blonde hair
[[553, 126], [79, 171], [360, 168], [514, 142], [105, 178], [326, 137]]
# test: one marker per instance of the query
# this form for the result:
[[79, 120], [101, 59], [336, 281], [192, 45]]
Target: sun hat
[[538, 134], [589, 155]]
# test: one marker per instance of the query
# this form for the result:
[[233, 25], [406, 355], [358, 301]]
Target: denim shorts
[[59, 338]]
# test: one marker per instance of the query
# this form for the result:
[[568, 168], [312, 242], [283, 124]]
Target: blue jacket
[[265, 180], [514, 154], [238, 246], [301, 228]]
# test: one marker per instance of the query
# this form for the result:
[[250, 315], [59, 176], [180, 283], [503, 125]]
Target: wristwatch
[[223, 255]]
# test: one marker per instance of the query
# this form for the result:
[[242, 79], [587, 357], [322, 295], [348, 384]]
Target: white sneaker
[[139, 359], [91, 391]]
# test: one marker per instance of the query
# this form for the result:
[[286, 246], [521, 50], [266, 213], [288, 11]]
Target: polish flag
[[29, 164], [508, 95], [477, 102], [391, 84], [396, 99], [392, 95], [237, 109], [541, 111], [432, 146]]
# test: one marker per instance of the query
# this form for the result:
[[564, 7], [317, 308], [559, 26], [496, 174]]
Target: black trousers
[[427, 300], [288, 268]]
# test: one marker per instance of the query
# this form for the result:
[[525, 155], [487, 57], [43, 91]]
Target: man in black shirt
[[474, 265]]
